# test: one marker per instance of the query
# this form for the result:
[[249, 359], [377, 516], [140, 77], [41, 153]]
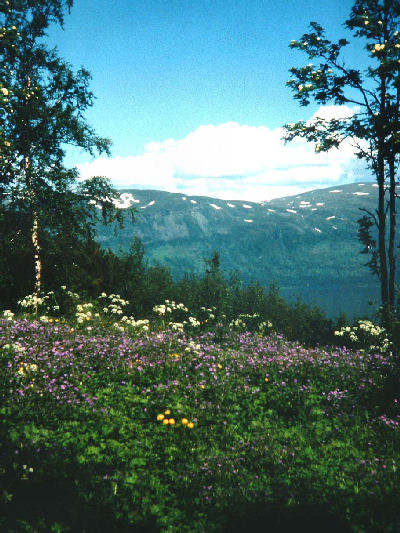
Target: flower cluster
[[85, 312], [378, 48], [169, 307], [8, 315], [163, 417], [247, 322], [178, 315], [113, 304], [366, 336], [140, 325], [51, 303]]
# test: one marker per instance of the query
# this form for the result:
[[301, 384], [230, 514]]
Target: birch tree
[[42, 104]]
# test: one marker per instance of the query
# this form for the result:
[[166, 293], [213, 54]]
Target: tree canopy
[[371, 122], [42, 104]]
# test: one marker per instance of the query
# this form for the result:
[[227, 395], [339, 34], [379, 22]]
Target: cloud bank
[[234, 162]]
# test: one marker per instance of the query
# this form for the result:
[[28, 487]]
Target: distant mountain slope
[[307, 243]]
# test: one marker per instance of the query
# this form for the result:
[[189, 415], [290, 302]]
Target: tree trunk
[[35, 232], [381, 160], [34, 213], [392, 233], [383, 270]]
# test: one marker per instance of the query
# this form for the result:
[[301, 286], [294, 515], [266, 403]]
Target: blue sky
[[193, 96]]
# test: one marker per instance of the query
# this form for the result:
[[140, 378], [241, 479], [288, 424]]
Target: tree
[[214, 287], [41, 112], [373, 126]]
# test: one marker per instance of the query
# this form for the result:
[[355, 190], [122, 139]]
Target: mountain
[[307, 243]]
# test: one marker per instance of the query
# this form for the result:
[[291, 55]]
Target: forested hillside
[[307, 243]]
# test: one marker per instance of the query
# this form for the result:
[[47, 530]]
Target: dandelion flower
[[171, 421], [165, 421], [190, 425], [167, 412], [160, 417], [184, 421]]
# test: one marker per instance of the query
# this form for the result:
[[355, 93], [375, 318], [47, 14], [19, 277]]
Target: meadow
[[191, 424]]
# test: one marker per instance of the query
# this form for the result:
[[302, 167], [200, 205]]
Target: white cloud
[[330, 112], [234, 162]]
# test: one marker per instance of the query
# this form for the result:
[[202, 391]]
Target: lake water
[[356, 300]]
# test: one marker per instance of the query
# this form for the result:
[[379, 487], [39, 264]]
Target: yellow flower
[[165, 421], [190, 425], [167, 412], [266, 380], [171, 421], [202, 386], [184, 421], [160, 417], [219, 365], [4, 91]]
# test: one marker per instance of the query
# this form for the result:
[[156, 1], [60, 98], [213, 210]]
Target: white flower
[[8, 315], [193, 321]]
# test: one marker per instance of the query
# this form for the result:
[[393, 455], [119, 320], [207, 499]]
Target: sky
[[193, 96]]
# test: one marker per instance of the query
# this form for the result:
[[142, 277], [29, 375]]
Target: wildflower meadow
[[186, 423]]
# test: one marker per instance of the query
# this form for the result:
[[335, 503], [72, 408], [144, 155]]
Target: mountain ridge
[[307, 243]]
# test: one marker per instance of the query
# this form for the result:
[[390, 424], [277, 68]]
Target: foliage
[[162, 430]]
